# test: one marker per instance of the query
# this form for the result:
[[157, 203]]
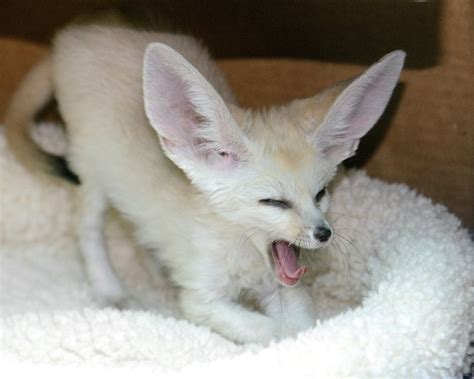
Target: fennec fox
[[224, 196]]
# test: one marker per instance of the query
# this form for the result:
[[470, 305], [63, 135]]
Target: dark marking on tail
[[60, 167]]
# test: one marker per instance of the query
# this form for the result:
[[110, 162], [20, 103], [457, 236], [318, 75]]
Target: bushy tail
[[34, 92]]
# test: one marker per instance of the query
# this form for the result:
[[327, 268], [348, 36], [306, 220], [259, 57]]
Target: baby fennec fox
[[224, 196]]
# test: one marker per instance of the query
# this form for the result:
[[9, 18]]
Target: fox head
[[267, 170]]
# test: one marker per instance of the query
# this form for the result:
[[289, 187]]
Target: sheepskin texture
[[395, 298]]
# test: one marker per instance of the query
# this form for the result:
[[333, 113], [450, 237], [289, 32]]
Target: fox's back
[[97, 72]]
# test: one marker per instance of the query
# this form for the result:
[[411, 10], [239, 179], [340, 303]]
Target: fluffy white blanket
[[398, 303]]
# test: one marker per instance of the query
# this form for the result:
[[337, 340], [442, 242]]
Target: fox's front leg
[[227, 317], [291, 308]]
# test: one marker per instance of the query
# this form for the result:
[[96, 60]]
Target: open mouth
[[286, 260]]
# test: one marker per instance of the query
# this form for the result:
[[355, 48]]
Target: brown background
[[273, 51]]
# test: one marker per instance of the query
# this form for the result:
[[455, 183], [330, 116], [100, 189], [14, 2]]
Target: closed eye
[[284, 204], [320, 195]]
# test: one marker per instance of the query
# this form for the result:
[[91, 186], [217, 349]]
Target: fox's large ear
[[190, 117], [358, 107]]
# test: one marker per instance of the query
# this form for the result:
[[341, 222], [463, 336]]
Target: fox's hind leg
[[103, 279]]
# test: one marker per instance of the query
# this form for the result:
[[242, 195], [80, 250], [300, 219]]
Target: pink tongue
[[288, 260]]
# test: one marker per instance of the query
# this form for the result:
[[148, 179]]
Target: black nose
[[322, 233]]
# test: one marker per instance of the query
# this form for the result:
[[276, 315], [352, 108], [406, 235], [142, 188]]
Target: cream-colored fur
[[35, 90], [154, 131]]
